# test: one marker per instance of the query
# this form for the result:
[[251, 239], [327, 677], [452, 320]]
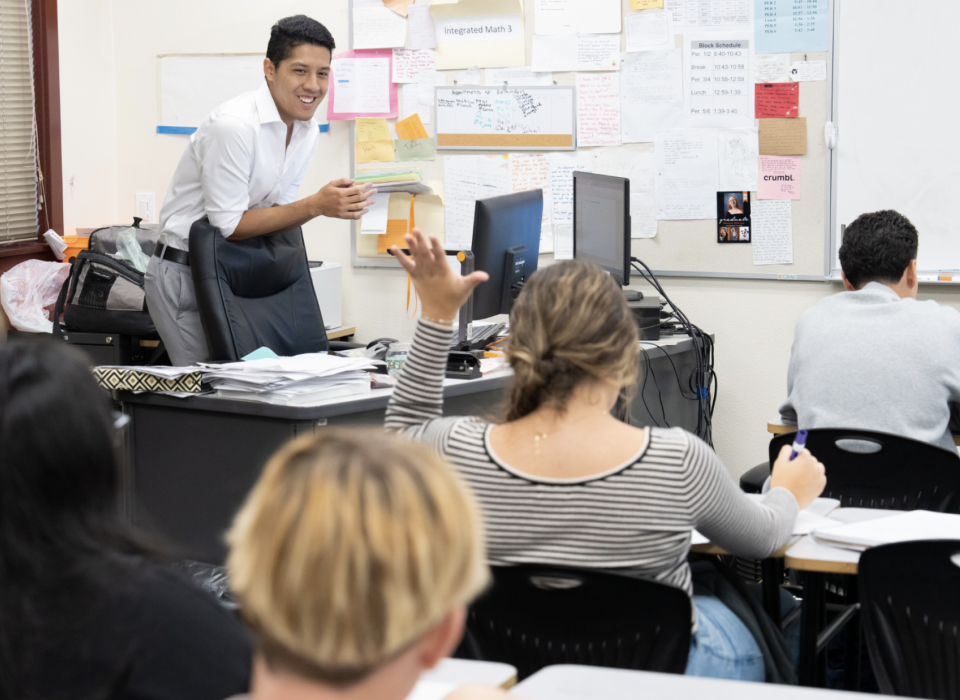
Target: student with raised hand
[[353, 559], [873, 357], [561, 481], [87, 609]]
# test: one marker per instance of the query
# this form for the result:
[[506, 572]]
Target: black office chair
[[255, 293], [536, 616], [911, 617]]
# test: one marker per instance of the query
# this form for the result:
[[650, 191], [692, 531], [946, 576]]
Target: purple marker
[[798, 444]]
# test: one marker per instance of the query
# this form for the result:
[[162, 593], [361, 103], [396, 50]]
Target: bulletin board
[[899, 152], [688, 248]]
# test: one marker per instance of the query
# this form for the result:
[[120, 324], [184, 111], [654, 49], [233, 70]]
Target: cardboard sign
[[783, 137]]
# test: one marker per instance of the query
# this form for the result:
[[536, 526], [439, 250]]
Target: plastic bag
[[129, 250], [28, 293]]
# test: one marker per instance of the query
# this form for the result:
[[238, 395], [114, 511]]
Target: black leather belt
[[172, 254]]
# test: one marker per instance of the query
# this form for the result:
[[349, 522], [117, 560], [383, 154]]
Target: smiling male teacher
[[243, 169]]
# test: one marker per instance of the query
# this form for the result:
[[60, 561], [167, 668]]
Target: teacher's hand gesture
[[442, 291]]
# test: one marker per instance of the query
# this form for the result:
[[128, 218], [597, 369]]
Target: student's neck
[[580, 407], [392, 682]]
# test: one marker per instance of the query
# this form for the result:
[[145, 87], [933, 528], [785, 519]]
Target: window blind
[[18, 152]]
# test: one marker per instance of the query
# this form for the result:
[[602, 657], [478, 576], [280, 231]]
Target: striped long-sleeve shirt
[[635, 517]]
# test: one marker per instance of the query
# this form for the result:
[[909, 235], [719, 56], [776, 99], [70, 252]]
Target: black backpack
[[105, 295]]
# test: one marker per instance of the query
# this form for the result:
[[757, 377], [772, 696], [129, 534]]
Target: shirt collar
[[267, 109], [882, 289]]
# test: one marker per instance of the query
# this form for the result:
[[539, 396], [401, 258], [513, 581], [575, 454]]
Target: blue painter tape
[[176, 129], [324, 128]]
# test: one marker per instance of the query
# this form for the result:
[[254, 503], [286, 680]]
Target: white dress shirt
[[236, 160]]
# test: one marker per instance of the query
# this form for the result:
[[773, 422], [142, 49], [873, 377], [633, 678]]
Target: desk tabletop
[[467, 672], [569, 682]]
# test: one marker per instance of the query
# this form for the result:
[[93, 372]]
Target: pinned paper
[[360, 85], [783, 137], [651, 93], [777, 100], [553, 17], [804, 71], [409, 64], [374, 151], [411, 128], [648, 31], [576, 52], [771, 67], [422, 32], [415, 149], [399, 6], [598, 109], [738, 158], [514, 77], [779, 177], [372, 129], [772, 233], [785, 26], [645, 4], [376, 27], [411, 103], [484, 33], [469, 77]]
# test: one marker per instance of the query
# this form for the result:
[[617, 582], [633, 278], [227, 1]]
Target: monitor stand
[[632, 295]]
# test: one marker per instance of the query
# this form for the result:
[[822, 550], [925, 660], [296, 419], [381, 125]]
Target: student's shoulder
[[938, 318]]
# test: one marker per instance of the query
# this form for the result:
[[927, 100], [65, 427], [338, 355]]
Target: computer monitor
[[506, 245], [601, 223]]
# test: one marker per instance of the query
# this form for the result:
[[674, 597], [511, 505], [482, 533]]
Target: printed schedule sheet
[[718, 78]]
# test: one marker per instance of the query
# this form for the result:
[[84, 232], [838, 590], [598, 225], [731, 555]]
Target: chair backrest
[[536, 616], [866, 469], [911, 617], [255, 293]]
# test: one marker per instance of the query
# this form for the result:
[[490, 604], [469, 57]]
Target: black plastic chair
[[866, 469], [256, 293], [536, 616], [911, 617]]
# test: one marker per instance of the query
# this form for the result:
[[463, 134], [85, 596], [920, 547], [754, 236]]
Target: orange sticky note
[[374, 151], [411, 128], [396, 230]]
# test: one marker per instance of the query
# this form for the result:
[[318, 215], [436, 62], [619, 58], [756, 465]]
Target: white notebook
[[902, 527]]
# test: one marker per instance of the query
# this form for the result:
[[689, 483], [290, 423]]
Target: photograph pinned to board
[[733, 217]]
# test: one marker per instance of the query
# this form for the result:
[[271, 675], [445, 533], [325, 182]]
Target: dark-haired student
[[873, 357], [86, 610], [242, 170]]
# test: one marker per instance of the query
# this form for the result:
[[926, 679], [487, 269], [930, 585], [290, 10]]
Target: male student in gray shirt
[[873, 357]]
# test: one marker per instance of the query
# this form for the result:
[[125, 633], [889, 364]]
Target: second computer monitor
[[601, 223], [506, 231]]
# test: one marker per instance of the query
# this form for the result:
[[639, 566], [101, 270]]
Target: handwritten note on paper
[[372, 129], [409, 64], [779, 177], [362, 84], [651, 93], [637, 163], [517, 77], [598, 109], [376, 27], [785, 26], [777, 100], [563, 242], [576, 52], [783, 137], [429, 79], [465, 180], [374, 151], [645, 4], [648, 31], [562, 167], [771, 67], [531, 171], [552, 17], [598, 51], [739, 150], [687, 174], [411, 128], [415, 149], [411, 103], [805, 71], [423, 35], [719, 81], [772, 232], [697, 14]]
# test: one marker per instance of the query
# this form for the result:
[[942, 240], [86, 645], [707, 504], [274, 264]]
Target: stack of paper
[[301, 380], [901, 527], [387, 181]]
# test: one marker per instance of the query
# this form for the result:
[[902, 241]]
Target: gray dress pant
[[172, 302]]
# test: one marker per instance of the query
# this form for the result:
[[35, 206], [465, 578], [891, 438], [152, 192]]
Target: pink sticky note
[[779, 177], [388, 84]]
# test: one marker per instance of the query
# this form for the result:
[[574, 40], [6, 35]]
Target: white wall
[[752, 320]]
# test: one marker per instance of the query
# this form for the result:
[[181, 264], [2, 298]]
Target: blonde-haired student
[[353, 559], [561, 480]]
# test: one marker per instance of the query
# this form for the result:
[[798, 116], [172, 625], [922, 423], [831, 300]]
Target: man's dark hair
[[291, 32], [878, 247]]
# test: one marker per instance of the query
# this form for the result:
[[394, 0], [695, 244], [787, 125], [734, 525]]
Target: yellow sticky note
[[372, 129], [374, 151], [411, 128], [645, 4]]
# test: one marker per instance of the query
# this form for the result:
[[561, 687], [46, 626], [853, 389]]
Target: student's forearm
[[259, 222]]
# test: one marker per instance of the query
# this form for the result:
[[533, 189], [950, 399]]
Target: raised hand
[[442, 291]]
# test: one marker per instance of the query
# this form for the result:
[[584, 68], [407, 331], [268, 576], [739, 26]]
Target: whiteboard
[[896, 113], [192, 85], [514, 118]]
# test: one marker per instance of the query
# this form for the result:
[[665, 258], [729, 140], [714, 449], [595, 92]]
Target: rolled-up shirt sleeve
[[226, 160]]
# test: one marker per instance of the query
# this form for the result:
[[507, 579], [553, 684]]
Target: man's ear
[[910, 275], [846, 283], [440, 642], [269, 70]]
